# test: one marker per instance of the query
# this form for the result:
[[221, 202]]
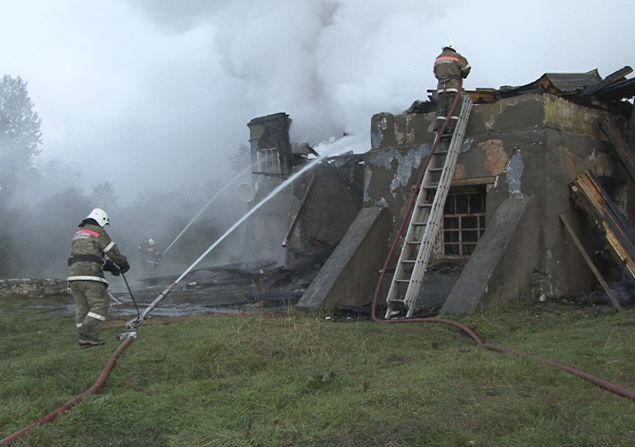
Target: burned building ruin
[[502, 234]]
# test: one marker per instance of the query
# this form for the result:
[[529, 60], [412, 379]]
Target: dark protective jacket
[[449, 68], [90, 244]]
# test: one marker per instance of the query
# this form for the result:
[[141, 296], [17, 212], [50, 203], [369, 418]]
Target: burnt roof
[[586, 88], [556, 83]]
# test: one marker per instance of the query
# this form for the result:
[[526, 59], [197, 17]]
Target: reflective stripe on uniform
[[447, 60], [79, 324], [96, 316], [85, 234], [109, 246], [441, 117], [448, 90], [87, 278]]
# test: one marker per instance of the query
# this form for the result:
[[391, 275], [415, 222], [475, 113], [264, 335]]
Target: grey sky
[[150, 94]]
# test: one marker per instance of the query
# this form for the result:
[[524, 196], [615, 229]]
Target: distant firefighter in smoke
[[151, 256]]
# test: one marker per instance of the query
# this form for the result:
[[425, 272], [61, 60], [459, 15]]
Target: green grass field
[[294, 380]]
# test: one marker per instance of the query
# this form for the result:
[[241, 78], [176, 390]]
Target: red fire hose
[[604, 384], [101, 381]]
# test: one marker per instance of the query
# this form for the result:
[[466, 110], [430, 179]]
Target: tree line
[[39, 213]]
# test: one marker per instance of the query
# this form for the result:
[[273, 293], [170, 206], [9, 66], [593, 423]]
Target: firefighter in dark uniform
[[449, 69], [87, 263]]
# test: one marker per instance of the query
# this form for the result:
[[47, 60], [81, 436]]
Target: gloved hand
[[110, 266], [125, 268]]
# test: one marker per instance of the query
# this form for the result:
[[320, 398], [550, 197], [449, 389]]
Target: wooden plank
[[620, 147], [590, 263], [294, 221], [613, 77]]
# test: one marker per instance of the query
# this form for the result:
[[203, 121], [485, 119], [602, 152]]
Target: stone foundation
[[32, 288]]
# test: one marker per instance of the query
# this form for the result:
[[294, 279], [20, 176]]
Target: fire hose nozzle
[[126, 335], [134, 324]]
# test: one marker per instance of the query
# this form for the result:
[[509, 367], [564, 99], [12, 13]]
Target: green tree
[[103, 196], [20, 133]]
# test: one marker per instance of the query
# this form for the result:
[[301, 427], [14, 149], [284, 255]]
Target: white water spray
[[133, 324], [209, 202]]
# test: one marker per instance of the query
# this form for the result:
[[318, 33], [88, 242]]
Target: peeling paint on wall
[[514, 169], [467, 144], [566, 115], [496, 158], [368, 175], [377, 134], [406, 165], [459, 172]]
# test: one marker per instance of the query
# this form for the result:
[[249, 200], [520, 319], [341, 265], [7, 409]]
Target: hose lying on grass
[[101, 381], [471, 333]]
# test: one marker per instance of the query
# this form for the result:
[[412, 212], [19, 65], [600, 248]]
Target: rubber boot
[[89, 333]]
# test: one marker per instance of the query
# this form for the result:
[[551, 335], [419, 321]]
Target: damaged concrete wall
[[308, 217], [529, 145], [271, 165], [326, 201], [348, 277], [495, 272]]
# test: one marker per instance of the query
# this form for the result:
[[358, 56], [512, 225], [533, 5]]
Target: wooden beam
[[590, 263], [294, 221], [613, 77], [623, 151]]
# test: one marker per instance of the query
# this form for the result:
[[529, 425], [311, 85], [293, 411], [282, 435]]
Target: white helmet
[[449, 44], [100, 216], [150, 241]]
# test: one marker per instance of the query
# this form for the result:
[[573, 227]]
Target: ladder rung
[[430, 198]]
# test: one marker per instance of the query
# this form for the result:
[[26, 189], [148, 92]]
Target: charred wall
[[326, 201], [307, 218], [271, 164], [529, 145]]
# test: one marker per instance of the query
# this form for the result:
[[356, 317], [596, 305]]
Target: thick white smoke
[[152, 94]]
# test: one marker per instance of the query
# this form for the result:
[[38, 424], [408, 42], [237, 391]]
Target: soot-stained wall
[[529, 145]]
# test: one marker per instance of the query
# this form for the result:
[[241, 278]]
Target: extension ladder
[[425, 220]]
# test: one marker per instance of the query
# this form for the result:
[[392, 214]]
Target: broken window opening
[[268, 161], [463, 221]]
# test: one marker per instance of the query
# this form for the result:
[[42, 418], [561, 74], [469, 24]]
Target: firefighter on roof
[[87, 263], [449, 69]]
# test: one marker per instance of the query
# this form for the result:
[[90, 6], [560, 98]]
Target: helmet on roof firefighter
[[449, 45], [100, 216]]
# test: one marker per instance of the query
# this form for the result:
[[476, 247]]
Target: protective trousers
[[91, 311], [444, 104]]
